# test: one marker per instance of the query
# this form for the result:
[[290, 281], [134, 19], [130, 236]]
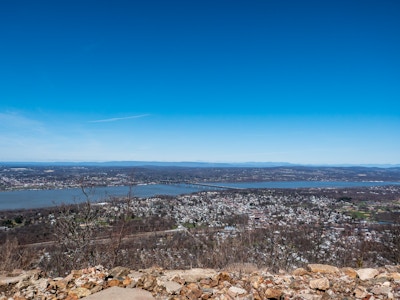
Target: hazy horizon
[[247, 164], [303, 82]]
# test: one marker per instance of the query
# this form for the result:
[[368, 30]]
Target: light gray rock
[[135, 277], [41, 284], [80, 292], [273, 293], [171, 287], [235, 291], [320, 284], [367, 273], [299, 272], [360, 292], [381, 290], [117, 293], [119, 272]]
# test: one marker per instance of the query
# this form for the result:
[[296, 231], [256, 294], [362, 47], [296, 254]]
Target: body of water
[[27, 199]]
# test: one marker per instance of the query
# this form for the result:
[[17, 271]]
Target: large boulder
[[192, 275], [323, 269]]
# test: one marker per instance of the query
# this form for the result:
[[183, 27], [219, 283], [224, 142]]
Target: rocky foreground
[[239, 282]]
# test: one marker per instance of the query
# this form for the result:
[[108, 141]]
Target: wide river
[[26, 199]]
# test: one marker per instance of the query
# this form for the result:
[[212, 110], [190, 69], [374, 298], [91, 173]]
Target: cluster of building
[[330, 225]]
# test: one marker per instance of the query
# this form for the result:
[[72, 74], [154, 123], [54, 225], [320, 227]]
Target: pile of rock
[[312, 283]]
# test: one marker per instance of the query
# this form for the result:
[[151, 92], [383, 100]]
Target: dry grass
[[13, 256]]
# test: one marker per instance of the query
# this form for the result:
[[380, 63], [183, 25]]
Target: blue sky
[[311, 82]]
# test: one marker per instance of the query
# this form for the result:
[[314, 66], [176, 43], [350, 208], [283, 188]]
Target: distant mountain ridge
[[190, 164]]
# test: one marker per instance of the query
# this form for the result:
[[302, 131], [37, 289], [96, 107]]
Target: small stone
[[256, 281], [273, 293], [299, 272], [113, 282], [213, 282], [381, 290], [180, 280], [224, 276], [392, 268], [296, 284], [236, 291], [41, 284], [320, 284], [193, 291], [386, 283], [205, 281], [395, 276], [147, 282], [96, 289], [172, 287], [80, 292], [360, 292], [119, 272], [89, 285], [61, 284], [127, 281], [350, 272]]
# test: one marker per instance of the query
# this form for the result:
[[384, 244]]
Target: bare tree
[[75, 233]]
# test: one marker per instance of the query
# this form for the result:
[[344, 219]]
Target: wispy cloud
[[15, 120], [119, 119]]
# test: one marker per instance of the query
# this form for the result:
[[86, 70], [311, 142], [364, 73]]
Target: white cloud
[[16, 120], [118, 119]]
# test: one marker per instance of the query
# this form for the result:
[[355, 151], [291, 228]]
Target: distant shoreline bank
[[30, 199]]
